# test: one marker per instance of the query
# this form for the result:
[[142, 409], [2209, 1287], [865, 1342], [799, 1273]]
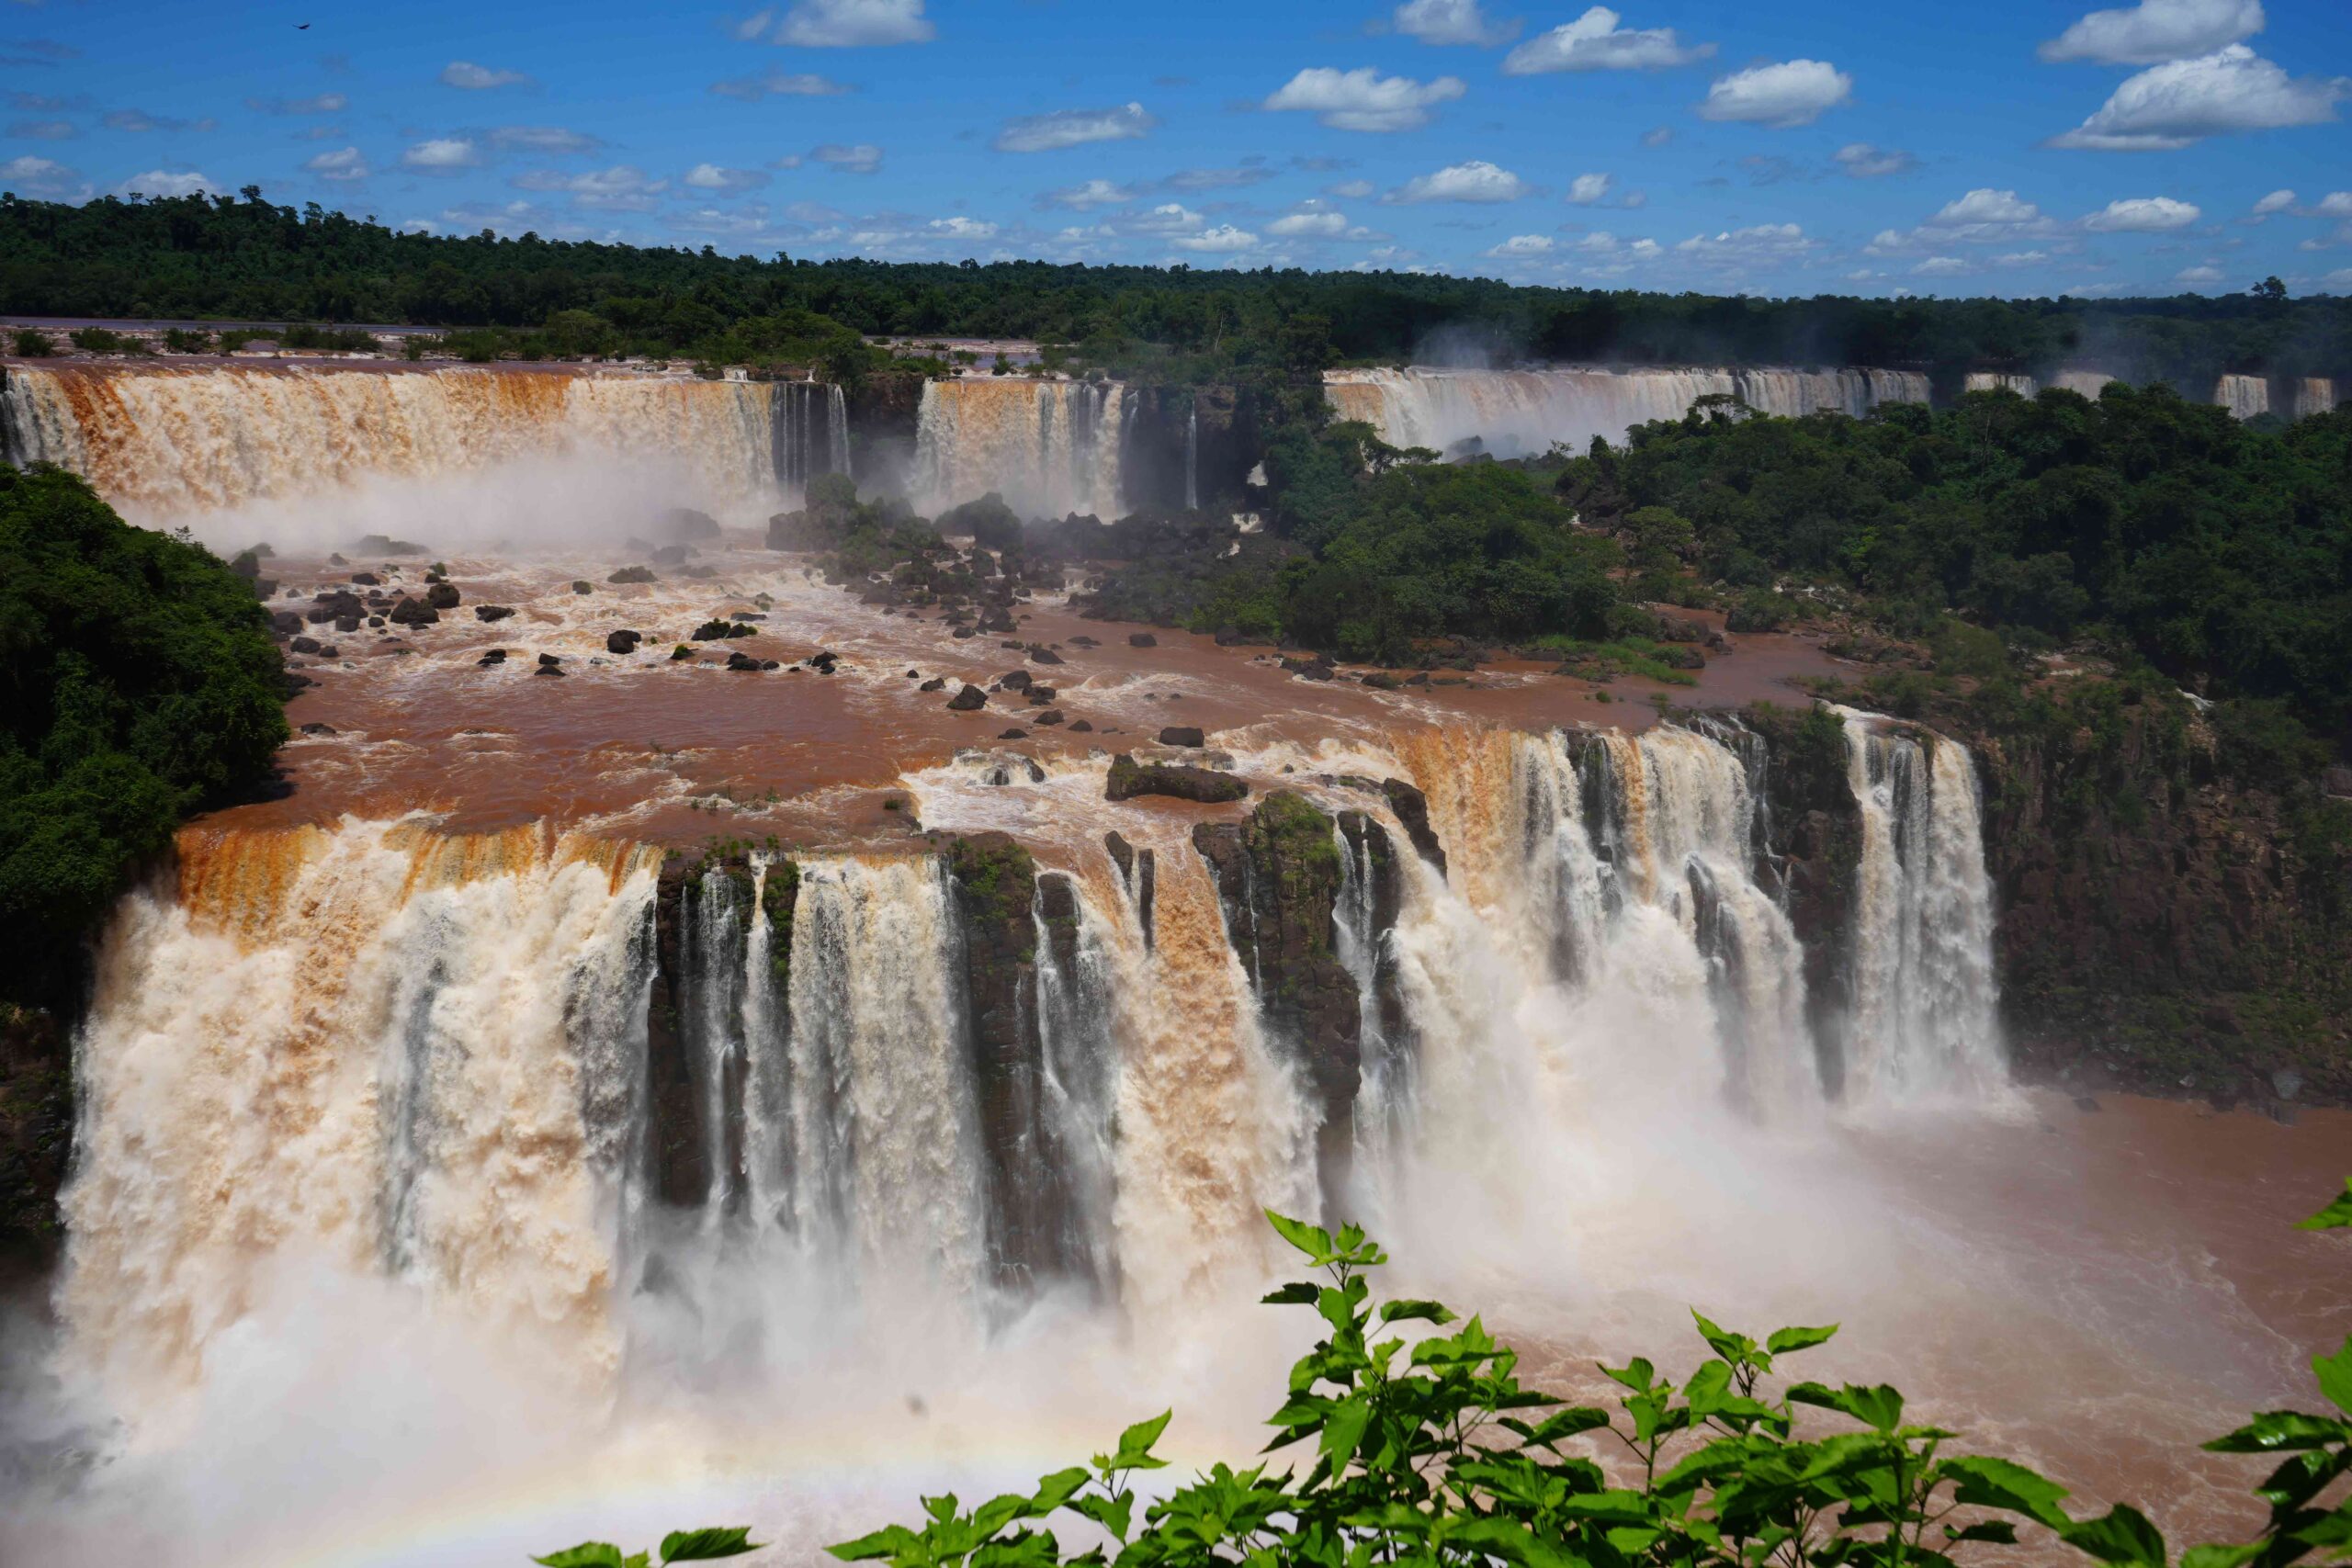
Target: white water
[[168, 445], [2243, 396], [1526, 412], [1049, 448], [1926, 1004]]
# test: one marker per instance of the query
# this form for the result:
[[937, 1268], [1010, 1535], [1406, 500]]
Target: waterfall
[[1524, 413], [2000, 381], [2243, 396], [1079, 1051], [2314, 394], [1924, 1020], [1193, 456], [163, 442], [1049, 448], [2088, 383]]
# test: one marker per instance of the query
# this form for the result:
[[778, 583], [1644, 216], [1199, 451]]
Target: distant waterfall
[[164, 441], [2314, 394], [1193, 456], [1049, 448], [2243, 396], [1925, 1003], [2000, 381], [1523, 413]]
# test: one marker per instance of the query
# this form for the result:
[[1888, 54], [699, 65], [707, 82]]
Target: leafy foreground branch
[[1431, 1451]]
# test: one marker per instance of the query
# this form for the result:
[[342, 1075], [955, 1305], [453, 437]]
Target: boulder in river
[[1181, 735], [1130, 779], [442, 595], [415, 613], [970, 699], [621, 642]]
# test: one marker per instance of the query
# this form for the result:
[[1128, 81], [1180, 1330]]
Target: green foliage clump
[[1429, 1450], [137, 682], [34, 344]]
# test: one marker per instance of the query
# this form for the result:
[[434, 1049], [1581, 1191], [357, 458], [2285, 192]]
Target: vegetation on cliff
[[243, 258], [137, 681]]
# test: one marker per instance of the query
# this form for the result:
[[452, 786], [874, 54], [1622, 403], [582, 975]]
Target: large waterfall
[[166, 443], [1524, 413], [1049, 448], [536, 1081]]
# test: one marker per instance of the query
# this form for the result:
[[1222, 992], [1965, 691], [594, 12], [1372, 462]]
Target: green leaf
[[887, 1541], [2335, 1216], [1298, 1293], [1998, 1531], [1313, 1240], [2334, 1374], [1987, 1482], [2281, 1430], [1636, 1374], [2220, 1556], [1787, 1340], [1134, 1444], [1559, 1427], [1427, 1312], [587, 1554], [1113, 1514], [699, 1546], [1056, 1489], [1877, 1406], [1344, 1430], [2121, 1536], [1707, 1388]]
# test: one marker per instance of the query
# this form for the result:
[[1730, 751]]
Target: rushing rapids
[[1520, 412]]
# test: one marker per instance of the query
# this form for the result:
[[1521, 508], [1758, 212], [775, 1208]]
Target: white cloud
[[2340, 279], [1521, 246], [1794, 92], [2277, 201], [420, 226], [541, 139], [1476, 181], [1217, 179], [1451, 21], [1595, 42], [1222, 239], [621, 188], [1765, 244], [854, 24], [1088, 196], [962, 229], [1657, 135], [139, 121], [1585, 189], [2168, 106], [1073, 127], [441, 155], [2141, 215], [1985, 205], [1310, 226], [326, 103], [1352, 190], [778, 84], [2197, 275], [2021, 258], [45, 176], [2334, 204], [1865, 162], [858, 158], [1940, 266], [730, 182], [344, 163], [1363, 99], [158, 181], [476, 78], [2155, 30]]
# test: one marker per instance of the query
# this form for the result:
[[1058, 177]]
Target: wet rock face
[[36, 1135], [1130, 779], [1813, 855], [1412, 809], [677, 1149], [1278, 877]]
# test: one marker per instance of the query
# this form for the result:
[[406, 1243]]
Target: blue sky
[[2006, 147]]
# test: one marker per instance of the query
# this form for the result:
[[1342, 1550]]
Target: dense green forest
[[243, 258]]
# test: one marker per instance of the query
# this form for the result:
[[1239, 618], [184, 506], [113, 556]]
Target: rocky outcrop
[[1129, 779], [1278, 876], [676, 1142], [1412, 809], [1139, 874], [36, 1136], [1810, 852]]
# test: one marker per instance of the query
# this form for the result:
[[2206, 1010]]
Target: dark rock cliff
[[1811, 848], [1278, 877]]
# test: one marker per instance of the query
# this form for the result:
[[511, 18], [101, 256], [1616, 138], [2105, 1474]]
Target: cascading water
[[1924, 1021], [2243, 396], [1522, 412], [1193, 456], [1049, 448], [169, 442]]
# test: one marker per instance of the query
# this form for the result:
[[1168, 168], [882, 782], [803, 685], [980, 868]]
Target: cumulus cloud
[[1657, 135], [140, 121], [1353, 190], [2197, 275], [854, 24], [1314, 225], [42, 176], [2141, 215], [1985, 205], [542, 138], [1363, 99], [621, 188], [475, 78], [1595, 42], [1865, 162], [1224, 239], [326, 103], [344, 164], [2155, 30], [2021, 258], [1087, 195], [1217, 179], [855, 158], [1735, 250], [441, 155], [962, 229], [2277, 201], [726, 180], [1794, 92], [1940, 266], [1451, 21], [163, 182], [1520, 247], [1073, 127], [1585, 189], [2334, 204], [43, 131], [1475, 181], [778, 84], [2170, 105]]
